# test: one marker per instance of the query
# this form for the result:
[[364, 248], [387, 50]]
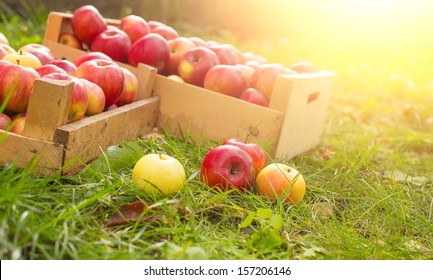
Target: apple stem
[[18, 61], [160, 156]]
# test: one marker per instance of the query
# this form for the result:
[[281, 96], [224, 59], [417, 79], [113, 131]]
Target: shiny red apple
[[177, 47], [151, 49], [113, 42], [256, 153], [227, 167], [66, 65], [225, 79], [91, 56], [195, 63], [254, 96], [135, 26], [86, 23], [42, 52], [16, 85], [106, 74]]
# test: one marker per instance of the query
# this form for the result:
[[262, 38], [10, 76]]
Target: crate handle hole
[[313, 96]]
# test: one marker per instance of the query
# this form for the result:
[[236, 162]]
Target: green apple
[[159, 174]]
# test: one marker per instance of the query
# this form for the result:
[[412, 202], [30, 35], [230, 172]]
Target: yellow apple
[[279, 180], [23, 58], [159, 174]]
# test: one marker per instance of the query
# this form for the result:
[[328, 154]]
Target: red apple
[[5, 121], [87, 23], [225, 79], [66, 65], [46, 69], [135, 26], [130, 88], [304, 67], [195, 63], [177, 47], [151, 49], [153, 24], [106, 74], [114, 42], [198, 42], [254, 96], [227, 167], [43, 53], [227, 54], [247, 71], [16, 84], [91, 56], [3, 39], [264, 77], [5, 49], [23, 59], [279, 180], [79, 100], [18, 124], [168, 32], [254, 150], [95, 98], [249, 56], [69, 39]]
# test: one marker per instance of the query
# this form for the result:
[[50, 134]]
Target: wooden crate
[[54, 147], [291, 125]]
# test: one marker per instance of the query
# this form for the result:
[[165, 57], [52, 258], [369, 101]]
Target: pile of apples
[[233, 165], [99, 83], [215, 66]]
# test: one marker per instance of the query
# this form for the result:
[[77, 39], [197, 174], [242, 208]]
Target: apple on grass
[[114, 42], [151, 49], [90, 56], [225, 79], [23, 58], [227, 167], [79, 99], [256, 153], [254, 96], [130, 88], [177, 47], [95, 98], [66, 65], [16, 84], [106, 74], [195, 63], [135, 26], [69, 39], [43, 53], [5, 121], [281, 181], [159, 174], [86, 23]]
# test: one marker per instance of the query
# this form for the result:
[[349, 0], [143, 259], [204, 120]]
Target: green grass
[[369, 196]]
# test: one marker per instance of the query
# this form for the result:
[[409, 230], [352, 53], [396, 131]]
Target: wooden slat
[[45, 157], [84, 140], [200, 113], [48, 108]]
